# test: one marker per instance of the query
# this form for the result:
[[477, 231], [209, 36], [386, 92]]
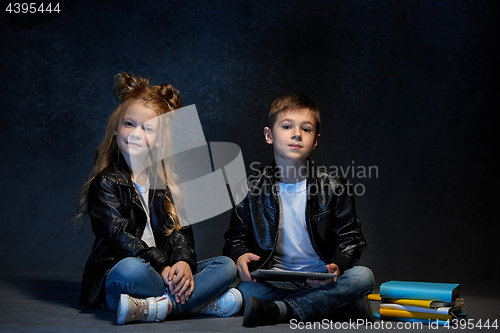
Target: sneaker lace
[[141, 310], [213, 304]]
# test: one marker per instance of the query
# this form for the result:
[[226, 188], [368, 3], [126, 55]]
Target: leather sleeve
[[106, 213], [235, 245], [351, 241], [180, 247]]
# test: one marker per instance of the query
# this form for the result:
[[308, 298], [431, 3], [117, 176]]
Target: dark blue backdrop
[[409, 87]]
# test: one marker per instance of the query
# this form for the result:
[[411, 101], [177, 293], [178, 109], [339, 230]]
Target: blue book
[[444, 292]]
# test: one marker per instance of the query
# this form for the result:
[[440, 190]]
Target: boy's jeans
[[135, 277], [314, 304]]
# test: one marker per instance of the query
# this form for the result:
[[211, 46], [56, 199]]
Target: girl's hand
[[180, 281], [331, 268], [164, 274]]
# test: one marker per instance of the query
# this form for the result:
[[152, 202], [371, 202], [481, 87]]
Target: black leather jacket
[[118, 221], [332, 224]]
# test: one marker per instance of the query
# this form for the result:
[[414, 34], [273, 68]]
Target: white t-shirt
[[147, 235], [294, 250]]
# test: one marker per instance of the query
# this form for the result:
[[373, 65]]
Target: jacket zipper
[[138, 202], [277, 233], [310, 234]]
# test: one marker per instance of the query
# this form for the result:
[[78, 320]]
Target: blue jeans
[[314, 304], [135, 277]]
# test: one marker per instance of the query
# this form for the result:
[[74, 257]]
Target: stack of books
[[424, 302]]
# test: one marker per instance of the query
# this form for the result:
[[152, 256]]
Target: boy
[[295, 219]]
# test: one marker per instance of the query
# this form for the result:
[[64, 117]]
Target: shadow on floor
[[62, 293]]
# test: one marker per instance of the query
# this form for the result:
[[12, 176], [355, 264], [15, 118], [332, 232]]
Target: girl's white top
[[147, 235]]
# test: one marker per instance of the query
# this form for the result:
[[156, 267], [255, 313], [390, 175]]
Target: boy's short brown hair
[[291, 102]]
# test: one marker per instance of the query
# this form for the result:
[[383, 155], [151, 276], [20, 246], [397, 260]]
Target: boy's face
[[293, 136]]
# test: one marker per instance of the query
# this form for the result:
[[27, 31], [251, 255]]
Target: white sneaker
[[224, 305], [145, 310]]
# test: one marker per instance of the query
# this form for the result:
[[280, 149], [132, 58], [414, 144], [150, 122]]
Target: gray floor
[[39, 301]]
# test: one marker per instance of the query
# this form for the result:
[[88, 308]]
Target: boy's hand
[[179, 279], [331, 268], [242, 266]]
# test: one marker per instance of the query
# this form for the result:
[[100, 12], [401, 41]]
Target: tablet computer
[[290, 276]]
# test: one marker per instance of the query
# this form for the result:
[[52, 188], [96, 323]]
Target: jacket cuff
[[343, 264], [156, 259], [234, 255]]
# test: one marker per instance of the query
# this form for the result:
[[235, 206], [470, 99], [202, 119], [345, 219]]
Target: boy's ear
[[316, 141], [268, 135]]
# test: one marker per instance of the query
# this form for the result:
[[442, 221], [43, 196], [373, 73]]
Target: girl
[[143, 260]]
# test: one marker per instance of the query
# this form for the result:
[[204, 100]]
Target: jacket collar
[[121, 172]]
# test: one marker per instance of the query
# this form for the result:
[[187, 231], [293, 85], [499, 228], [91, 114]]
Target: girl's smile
[[137, 132]]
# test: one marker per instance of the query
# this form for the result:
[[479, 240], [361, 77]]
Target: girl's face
[[137, 132]]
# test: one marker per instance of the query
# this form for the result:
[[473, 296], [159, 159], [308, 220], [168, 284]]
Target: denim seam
[[212, 263], [297, 308], [119, 285]]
